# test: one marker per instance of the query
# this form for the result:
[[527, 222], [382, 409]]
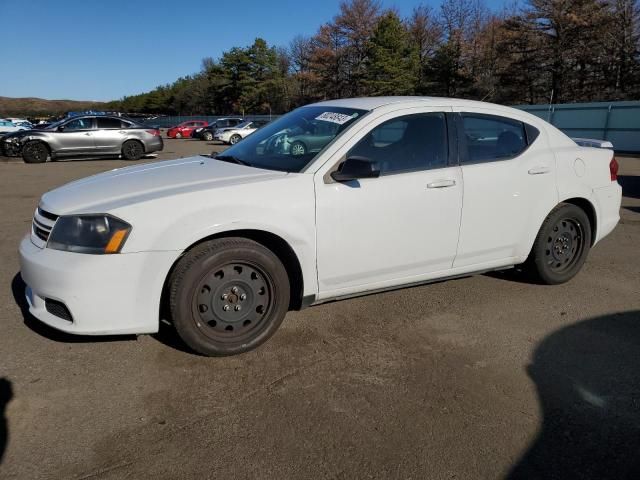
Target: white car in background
[[7, 126], [233, 135], [407, 190]]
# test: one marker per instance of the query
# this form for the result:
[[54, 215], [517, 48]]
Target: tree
[[391, 59], [425, 34]]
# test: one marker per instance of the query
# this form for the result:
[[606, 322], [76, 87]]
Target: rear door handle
[[441, 184], [539, 170]]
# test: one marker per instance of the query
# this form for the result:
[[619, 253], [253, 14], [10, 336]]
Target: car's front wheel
[[228, 296], [35, 152], [235, 139], [132, 150], [208, 136], [178, 135], [562, 245]]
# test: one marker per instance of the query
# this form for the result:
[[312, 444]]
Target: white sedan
[[404, 191], [233, 135], [7, 126]]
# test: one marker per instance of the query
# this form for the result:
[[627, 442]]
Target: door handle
[[441, 184], [88, 134], [539, 170]]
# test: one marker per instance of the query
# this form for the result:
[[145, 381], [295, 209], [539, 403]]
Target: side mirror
[[354, 168], [61, 128]]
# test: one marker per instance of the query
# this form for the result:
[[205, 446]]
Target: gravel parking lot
[[482, 377]]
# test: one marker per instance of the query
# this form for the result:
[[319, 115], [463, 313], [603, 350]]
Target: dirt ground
[[479, 378]]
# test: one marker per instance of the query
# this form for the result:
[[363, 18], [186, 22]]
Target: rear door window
[[106, 122], [487, 138]]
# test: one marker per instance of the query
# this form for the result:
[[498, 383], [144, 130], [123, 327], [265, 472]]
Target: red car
[[185, 128]]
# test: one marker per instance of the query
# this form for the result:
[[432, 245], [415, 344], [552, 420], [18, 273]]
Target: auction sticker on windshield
[[339, 118]]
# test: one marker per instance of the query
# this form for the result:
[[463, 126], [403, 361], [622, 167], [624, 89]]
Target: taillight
[[613, 168], [155, 133]]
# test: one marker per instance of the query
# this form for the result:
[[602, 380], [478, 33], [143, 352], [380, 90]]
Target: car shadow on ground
[[586, 377], [18, 289], [6, 394]]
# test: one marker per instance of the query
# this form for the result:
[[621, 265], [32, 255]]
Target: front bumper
[[105, 294]]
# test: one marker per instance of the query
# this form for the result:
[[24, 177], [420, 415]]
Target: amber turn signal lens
[[116, 241]]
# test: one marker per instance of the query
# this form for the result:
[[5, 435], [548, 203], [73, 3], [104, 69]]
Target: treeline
[[545, 50]]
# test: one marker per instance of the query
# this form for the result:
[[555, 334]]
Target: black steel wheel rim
[[565, 244], [232, 302], [37, 152], [132, 149]]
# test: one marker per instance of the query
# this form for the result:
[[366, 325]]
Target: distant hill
[[14, 107]]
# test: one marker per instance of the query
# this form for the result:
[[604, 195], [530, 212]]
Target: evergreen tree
[[392, 60]]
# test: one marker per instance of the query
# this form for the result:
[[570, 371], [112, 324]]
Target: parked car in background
[[185, 128], [81, 136], [7, 126], [233, 135], [18, 120], [230, 243], [206, 133]]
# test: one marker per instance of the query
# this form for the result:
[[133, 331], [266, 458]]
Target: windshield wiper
[[232, 159]]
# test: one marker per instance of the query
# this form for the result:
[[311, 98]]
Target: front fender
[[284, 207]]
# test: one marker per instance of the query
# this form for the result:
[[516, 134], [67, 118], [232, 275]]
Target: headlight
[[96, 234]]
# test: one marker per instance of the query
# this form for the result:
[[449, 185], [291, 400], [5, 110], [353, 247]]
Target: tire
[[178, 135], [132, 150], [228, 296], [562, 245], [297, 149], [235, 139], [35, 152], [208, 136]]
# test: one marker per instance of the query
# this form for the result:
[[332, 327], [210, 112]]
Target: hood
[[125, 186]]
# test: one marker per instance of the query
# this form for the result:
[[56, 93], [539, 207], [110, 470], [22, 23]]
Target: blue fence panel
[[617, 122]]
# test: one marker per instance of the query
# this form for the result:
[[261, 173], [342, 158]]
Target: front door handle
[[441, 184], [539, 170]]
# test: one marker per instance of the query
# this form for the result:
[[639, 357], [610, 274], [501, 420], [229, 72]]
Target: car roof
[[371, 103]]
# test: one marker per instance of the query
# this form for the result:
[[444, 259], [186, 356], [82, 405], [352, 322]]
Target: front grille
[[43, 222], [59, 309]]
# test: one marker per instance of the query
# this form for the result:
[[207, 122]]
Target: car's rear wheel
[[228, 296], [298, 148], [235, 139], [35, 152], [132, 150], [208, 136], [562, 245]]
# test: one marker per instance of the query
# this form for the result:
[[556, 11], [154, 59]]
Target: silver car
[[87, 135]]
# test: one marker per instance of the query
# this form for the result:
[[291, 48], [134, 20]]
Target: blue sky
[[102, 50]]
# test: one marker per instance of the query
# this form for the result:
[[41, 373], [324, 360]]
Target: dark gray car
[[87, 135]]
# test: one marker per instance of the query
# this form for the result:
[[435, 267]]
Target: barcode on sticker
[[339, 118]]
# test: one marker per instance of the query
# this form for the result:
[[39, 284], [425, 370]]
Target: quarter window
[[406, 144], [490, 138]]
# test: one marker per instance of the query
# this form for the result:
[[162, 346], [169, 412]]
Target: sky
[[105, 49]]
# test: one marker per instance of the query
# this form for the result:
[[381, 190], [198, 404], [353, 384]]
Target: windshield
[[291, 143]]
